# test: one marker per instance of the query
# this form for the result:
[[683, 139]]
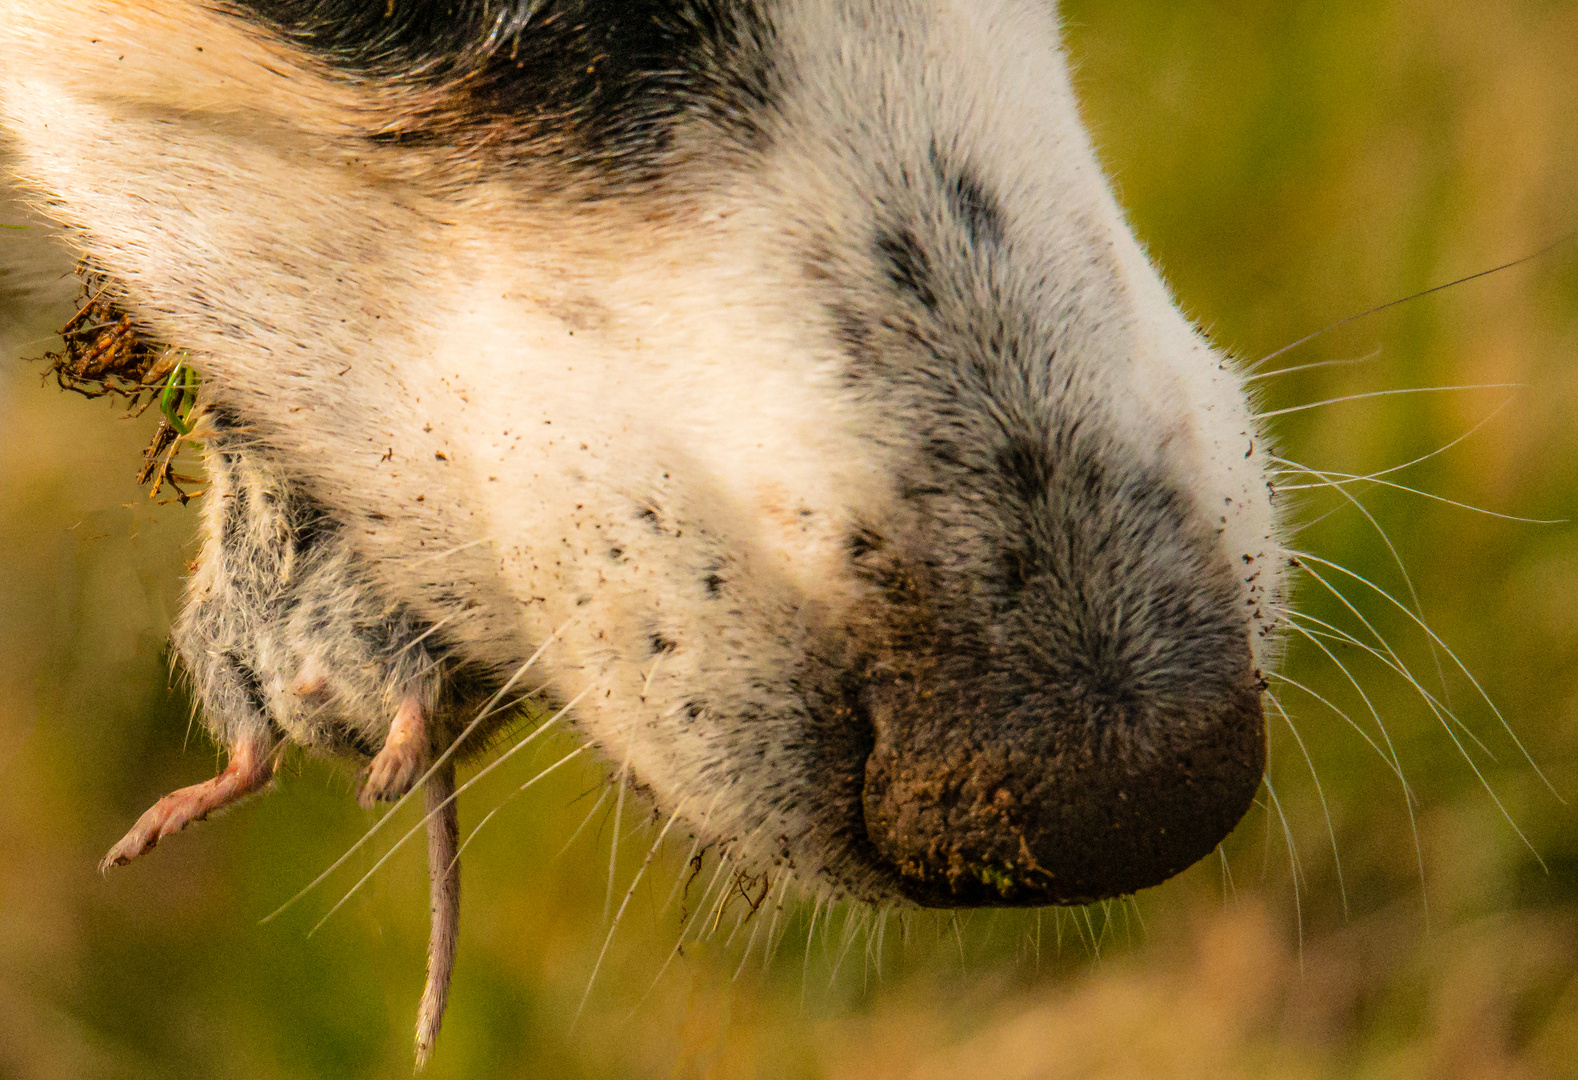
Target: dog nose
[[1002, 790]]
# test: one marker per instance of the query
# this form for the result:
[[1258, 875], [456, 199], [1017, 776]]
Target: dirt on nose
[[1003, 795]]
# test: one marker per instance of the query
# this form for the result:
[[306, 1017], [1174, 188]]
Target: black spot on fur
[[251, 685], [976, 208], [221, 418], [854, 334], [713, 580], [311, 525], [661, 644], [618, 77], [907, 265], [1026, 466], [863, 542]]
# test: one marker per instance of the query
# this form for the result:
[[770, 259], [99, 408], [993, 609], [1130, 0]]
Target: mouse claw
[[401, 760], [250, 768]]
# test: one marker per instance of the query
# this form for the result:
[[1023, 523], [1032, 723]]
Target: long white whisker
[[1343, 479], [958, 937], [1295, 530], [453, 551], [1106, 921], [851, 932], [1390, 756], [1293, 861], [602, 797], [1437, 452], [785, 877], [1380, 640], [647, 685], [1397, 558], [810, 939], [625, 903], [424, 635], [613, 843], [739, 886], [684, 930], [1331, 829], [1467, 674], [739, 922], [1351, 722], [398, 844], [1323, 331], [1386, 393], [684, 872], [882, 933], [443, 758], [1341, 636], [869, 922], [567, 758], [695, 848], [1257, 376], [709, 926], [1095, 940], [750, 942], [1396, 761], [1472, 764], [724, 862], [1134, 903]]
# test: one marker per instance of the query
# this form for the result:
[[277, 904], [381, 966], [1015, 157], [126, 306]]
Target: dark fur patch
[[863, 542], [976, 208], [232, 532], [907, 264], [1024, 463], [601, 85], [311, 525], [251, 685]]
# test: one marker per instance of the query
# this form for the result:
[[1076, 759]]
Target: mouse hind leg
[[371, 679], [405, 754], [251, 767], [218, 638], [286, 639]]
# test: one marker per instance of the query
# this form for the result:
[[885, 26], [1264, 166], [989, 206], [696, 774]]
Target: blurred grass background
[[1289, 165]]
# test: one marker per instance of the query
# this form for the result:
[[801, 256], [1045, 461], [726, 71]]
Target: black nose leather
[[991, 790]]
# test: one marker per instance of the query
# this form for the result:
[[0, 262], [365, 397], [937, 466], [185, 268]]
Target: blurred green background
[[1288, 164]]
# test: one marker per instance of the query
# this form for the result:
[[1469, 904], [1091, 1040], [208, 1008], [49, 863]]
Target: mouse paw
[[250, 768], [402, 759]]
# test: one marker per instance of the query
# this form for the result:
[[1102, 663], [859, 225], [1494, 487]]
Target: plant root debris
[[105, 354]]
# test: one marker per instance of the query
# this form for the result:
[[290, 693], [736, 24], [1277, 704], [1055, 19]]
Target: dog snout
[[993, 789]]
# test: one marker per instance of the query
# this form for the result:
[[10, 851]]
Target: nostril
[[999, 795]]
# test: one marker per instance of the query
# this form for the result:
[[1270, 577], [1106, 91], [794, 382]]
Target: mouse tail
[[443, 864]]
